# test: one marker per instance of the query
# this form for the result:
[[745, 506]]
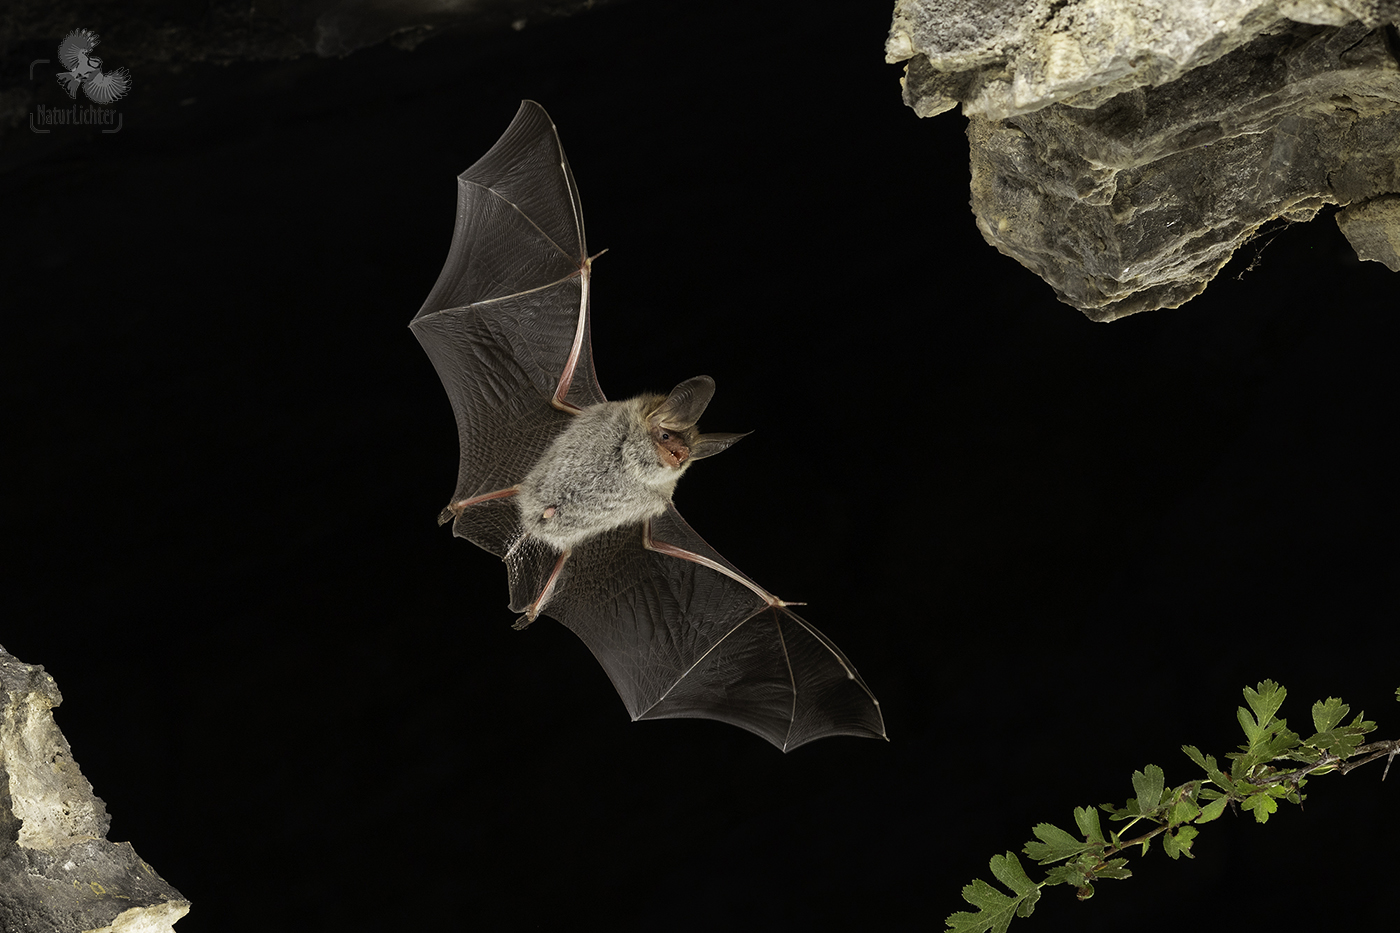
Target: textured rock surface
[[1000, 58], [1373, 229], [58, 872], [1123, 150]]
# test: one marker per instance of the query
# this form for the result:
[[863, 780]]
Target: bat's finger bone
[[566, 377]]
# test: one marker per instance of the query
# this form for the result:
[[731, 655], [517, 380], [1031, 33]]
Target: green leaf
[[1007, 869], [1239, 766], [1073, 874], [995, 913], [1207, 763], [1339, 742], [1087, 819], [1120, 813], [1327, 715], [1212, 810], [1115, 870], [1243, 789], [1179, 843], [1361, 724], [1277, 744], [1149, 784], [1055, 844], [1265, 744], [1262, 805], [1306, 753], [1266, 700], [1183, 811], [996, 909], [1252, 729]]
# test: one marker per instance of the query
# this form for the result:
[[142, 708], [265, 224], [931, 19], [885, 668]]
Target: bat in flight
[[573, 491]]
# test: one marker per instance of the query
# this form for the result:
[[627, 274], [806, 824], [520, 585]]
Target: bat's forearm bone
[[566, 377], [670, 550]]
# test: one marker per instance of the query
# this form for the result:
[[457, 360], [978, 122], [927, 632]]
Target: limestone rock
[[1373, 229], [1010, 57], [58, 872], [1123, 149]]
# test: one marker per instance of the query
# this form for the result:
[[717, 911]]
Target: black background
[[1056, 550]]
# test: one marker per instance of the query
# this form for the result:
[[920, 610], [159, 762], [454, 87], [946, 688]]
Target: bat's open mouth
[[672, 456]]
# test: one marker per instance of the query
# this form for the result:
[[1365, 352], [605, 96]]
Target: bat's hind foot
[[455, 509], [546, 590]]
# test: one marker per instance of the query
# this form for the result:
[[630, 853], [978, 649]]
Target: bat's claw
[[522, 623]]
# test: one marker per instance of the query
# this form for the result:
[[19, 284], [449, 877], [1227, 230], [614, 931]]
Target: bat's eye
[[665, 436]]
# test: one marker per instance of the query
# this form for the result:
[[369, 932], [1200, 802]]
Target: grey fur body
[[603, 472]]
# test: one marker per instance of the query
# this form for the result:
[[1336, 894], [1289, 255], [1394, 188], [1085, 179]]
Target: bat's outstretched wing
[[679, 630], [680, 639], [506, 325]]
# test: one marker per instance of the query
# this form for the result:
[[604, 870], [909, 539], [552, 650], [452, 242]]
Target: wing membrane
[[680, 640], [509, 312]]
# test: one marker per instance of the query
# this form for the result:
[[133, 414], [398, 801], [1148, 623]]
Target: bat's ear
[[684, 406], [710, 444]]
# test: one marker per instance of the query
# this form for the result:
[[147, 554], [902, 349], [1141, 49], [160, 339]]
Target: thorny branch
[[1372, 751]]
